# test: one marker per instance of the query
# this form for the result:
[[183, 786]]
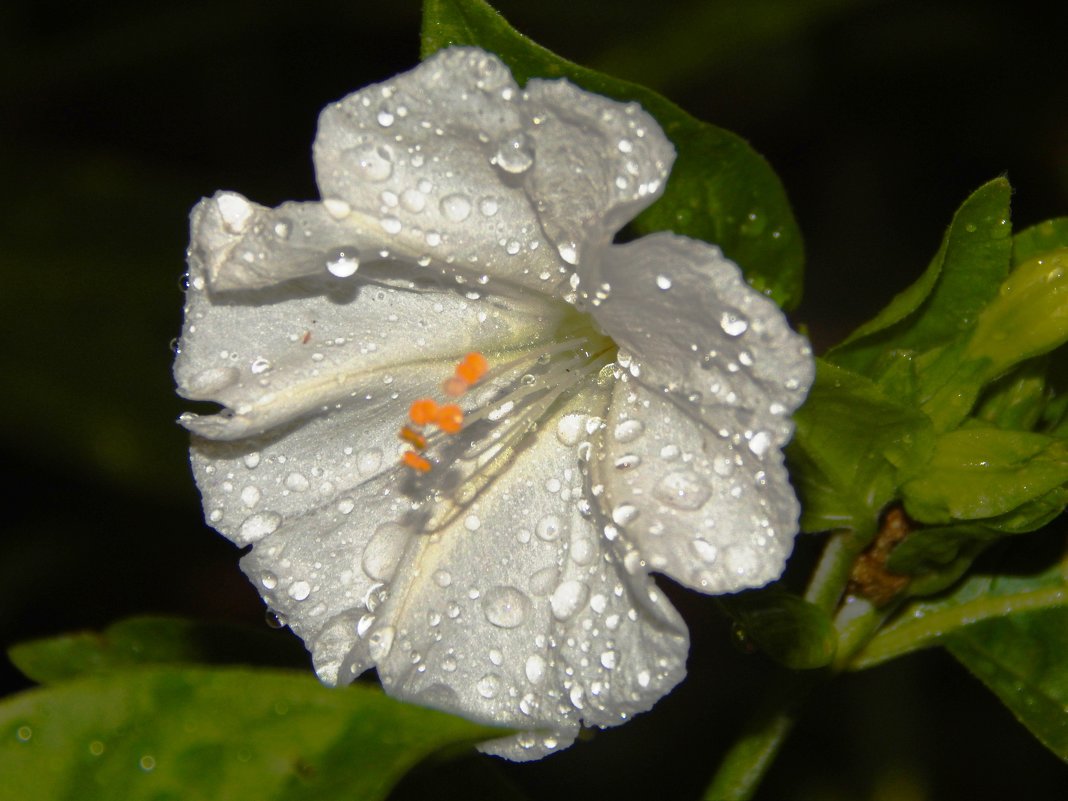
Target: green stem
[[748, 760], [743, 767]]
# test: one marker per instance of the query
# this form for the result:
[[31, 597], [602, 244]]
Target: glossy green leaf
[[194, 734], [720, 190], [1038, 240], [1017, 400], [845, 468], [153, 640], [943, 303], [981, 472], [795, 633], [1020, 586], [1023, 659]]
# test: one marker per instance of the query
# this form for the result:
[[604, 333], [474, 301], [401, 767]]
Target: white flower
[[630, 420]]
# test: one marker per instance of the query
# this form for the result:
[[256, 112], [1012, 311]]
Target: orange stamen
[[422, 411], [472, 368], [454, 386], [416, 462], [450, 418], [413, 437]]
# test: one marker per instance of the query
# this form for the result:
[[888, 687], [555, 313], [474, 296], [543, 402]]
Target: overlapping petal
[[510, 582]]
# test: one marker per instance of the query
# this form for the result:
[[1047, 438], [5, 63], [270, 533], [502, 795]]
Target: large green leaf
[[845, 468], [720, 189], [943, 303], [1023, 659], [199, 734], [153, 640]]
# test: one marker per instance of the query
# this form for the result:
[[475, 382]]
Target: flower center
[[459, 448]]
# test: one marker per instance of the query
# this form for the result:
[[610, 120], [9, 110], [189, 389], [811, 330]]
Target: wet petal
[[273, 355], [709, 371], [513, 613]]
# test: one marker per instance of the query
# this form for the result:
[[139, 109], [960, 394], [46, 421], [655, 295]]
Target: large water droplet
[[628, 430], [506, 607], [489, 685], [535, 668], [384, 550], [380, 643], [373, 162], [548, 528], [705, 549], [624, 513], [568, 599], [256, 527], [299, 590], [760, 442], [682, 489], [343, 262], [456, 207], [235, 210], [515, 153], [733, 325], [570, 428]]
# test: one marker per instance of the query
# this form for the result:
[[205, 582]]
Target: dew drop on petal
[[236, 211], [568, 599], [515, 153], [682, 489], [343, 263], [760, 443], [297, 482], [336, 208], [548, 528], [663, 282], [505, 607], [608, 659], [628, 430], [299, 590], [733, 324], [534, 668], [705, 550], [456, 207], [570, 428], [258, 526], [373, 162], [489, 685], [384, 550], [624, 513], [380, 643]]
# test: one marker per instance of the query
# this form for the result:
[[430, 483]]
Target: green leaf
[[844, 468], [980, 597], [980, 472], [1038, 240], [152, 640], [1023, 659], [720, 189], [943, 303], [195, 734], [795, 633]]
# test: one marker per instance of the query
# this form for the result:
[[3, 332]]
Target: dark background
[[881, 117]]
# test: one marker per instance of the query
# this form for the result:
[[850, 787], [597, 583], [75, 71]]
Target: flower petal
[[457, 164], [709, 371], [514, 614], [273, 355]]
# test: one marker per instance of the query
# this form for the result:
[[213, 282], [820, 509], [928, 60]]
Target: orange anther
[[454, 386], [450, 418], [416, 462], [413, 437], [472, 368], [422, 411]]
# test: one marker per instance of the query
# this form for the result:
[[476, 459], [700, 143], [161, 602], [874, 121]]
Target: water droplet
[[760, 442], [297, 482], [380, 643], [628, 430], [373, 162], [515, 153], [643, 678], [682, 489], [391, 225], [250, 496], [568, 599], [384, 551], [548, 528], [733, 325], [256, 527], [705, 550], [343, 263], [346, 505], [369, 461], [299, 590], [213, 380], [442, 578], [488, 206], [608, 660], [235, 210], [505, 607], [489, 685], [337, 208], [582, 551], [570, 428], [624, 513], [413, 200], [147, 763], [385, 117], [569, 252], [535, 668], [456, 207], [663, 282]]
